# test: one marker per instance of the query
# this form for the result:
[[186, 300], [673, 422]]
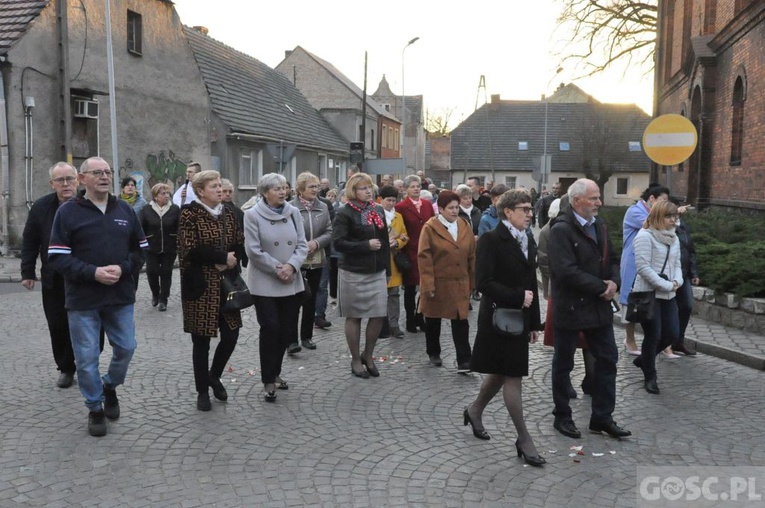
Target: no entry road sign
[[670, 139]]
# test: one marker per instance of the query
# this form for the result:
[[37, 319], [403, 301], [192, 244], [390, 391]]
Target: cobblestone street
[[336, 440]]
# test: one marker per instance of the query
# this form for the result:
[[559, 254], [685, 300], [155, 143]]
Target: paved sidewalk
[[335, 440]]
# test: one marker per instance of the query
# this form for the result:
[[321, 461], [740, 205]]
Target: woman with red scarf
[[360, 235]]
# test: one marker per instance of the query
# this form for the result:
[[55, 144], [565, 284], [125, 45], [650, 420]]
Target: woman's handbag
[[402, 262], [509, 323], [306, 294], [640, 306], [235, 295]]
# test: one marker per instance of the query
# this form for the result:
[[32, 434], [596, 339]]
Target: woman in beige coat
[[446, 259]]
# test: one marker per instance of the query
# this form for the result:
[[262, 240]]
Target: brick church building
[[710, 67]]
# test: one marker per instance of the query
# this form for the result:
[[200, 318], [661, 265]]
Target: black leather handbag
[[509, 323], [235, 295], [402, 262], [640, 306]]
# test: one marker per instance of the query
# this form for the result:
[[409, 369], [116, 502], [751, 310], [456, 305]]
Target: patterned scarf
[[368, 213], [307, 204], [276, 209]]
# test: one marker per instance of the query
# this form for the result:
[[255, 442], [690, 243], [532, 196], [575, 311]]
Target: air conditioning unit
[[85, 109]]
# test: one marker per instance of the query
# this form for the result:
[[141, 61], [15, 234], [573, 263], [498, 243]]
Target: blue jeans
[[84, 328], [322, 293], [658, 333], [684, 298]]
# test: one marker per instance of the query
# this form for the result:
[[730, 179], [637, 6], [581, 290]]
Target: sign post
[[670, 139]]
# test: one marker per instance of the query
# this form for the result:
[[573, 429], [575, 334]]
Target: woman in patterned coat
[[203, 254]]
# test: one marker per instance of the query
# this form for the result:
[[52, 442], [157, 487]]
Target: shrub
[[730, 247]]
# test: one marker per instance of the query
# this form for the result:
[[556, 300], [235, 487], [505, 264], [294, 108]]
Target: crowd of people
[[361, 243]]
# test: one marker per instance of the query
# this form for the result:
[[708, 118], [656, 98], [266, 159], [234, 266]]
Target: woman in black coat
[[506, 276], [159, 220]]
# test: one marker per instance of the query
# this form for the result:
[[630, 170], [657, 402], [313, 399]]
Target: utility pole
[[64, 96]]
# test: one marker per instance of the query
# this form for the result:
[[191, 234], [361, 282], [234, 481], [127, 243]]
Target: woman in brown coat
[[210, 241], [446, 257]]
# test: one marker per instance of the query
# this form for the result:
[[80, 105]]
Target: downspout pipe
[[4, 171]]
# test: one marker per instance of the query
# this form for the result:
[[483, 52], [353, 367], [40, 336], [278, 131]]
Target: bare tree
[[438, 124], [600, 33]]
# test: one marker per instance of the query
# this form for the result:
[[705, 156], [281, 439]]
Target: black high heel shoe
[[531, 461], [363, 374], [372, 370], [480, 434]]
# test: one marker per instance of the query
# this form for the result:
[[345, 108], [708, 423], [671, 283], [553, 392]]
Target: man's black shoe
[[154, 301], [162, 306], [435, 361], [111, 404], [308, 344], [294, 348], [321, 322], [610, 428], [567, 428], [65, 380], [96, 424]]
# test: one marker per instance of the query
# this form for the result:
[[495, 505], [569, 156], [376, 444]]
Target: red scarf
[[368, 213]]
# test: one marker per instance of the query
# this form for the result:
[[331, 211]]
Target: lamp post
[[545, 166], [403, 106]]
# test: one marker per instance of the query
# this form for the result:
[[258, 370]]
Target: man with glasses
[[98, 245], [185, 193], [35, 240], [584, 276]]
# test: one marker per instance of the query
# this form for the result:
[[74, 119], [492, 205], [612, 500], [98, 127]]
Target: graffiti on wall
[[160, 167]]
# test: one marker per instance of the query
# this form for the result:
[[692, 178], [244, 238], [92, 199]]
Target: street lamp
[[545, 165], [403, 106]]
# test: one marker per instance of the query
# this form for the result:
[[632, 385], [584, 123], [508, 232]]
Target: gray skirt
[[362, 295]]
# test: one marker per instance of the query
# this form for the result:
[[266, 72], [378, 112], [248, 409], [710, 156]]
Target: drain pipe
[[29, 105], [6, 192]]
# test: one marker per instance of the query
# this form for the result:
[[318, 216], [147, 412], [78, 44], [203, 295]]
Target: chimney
[[201, 29], [495, 98], [287, 53]]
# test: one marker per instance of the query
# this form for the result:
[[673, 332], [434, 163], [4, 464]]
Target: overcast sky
[[514, 44]]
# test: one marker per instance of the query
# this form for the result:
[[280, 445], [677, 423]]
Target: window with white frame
[[250, 167], [385, 136], [511, 181], [564, 146], [622, 186], [634, 146], [523, 145]]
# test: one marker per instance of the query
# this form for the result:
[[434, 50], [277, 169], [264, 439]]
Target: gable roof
[[595, 132], [252, 98], [15, 17], [346, 81]]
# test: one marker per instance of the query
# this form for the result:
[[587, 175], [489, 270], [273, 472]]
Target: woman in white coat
[[274, 240], [657, 259]]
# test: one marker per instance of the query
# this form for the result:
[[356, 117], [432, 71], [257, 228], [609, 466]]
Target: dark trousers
[[684, 298], [658, 333], [603, 349], [309, 304], [159, 272], [58, 325], [201, 353], [278, 318], [333, 277], [460, 331], [413, 318]]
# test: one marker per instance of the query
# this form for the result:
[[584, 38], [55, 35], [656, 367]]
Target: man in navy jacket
[[584, 276], [97, 245]]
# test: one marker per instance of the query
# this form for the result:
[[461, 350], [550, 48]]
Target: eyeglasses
[[98, 173], [525, 209], [65, 179]]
